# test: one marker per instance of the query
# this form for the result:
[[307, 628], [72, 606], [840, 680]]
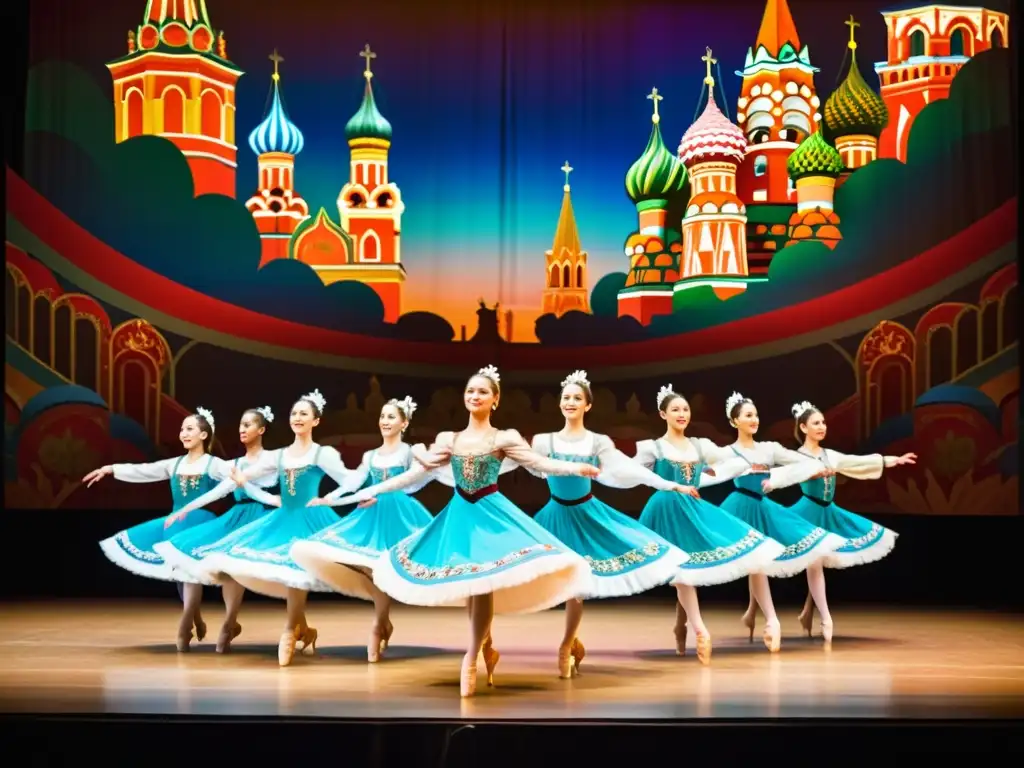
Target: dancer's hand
[[96, 475], [173, 518], [238, 476], [589, 470], [687, 490], [434, 459], [826, 472], [760, 468], [366, 503], [766, 486], [320, 502], [906, 458]]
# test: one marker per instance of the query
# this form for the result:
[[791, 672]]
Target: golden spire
[[367, 54], [708, 61], [655, 97], [852, 24], [277, 59], [567, 169]]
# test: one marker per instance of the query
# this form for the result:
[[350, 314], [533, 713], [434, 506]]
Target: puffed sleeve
[[868, 467], [396, 483], [715, 454], [354, 480], [329, 460], [144, 473], [512, 445], [782, 456], [646, 455], [539, 445], [620, 471], [265, 465], [794, 473]]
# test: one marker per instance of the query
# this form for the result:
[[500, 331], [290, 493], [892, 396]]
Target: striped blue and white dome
[[276, 133]]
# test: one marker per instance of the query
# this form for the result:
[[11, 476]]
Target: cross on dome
[[708, 61], [367, 54], [655, 97], [567, 169], [852, 24], [277, 59]]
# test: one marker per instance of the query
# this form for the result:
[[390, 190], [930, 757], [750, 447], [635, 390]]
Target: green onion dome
[[814, 157], [854, 108], [368, 122], [657, 174]]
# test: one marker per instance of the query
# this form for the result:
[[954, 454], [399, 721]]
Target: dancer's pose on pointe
[[481, 548]]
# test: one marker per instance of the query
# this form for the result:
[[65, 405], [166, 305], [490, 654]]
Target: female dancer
[[191, 476], [866, 541], [481, 548], [185, 549], [344, 554], [256, 556], [721, 548], [804, 542], [625, 558]]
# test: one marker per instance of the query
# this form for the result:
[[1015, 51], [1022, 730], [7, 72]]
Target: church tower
[[778, 107], [654, 182], [855, 115], [714, 226], [370, 205], [176, 81], [566, 262], [276, 207], [927, 46]]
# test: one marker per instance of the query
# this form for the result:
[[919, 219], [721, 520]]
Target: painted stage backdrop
[[227, 204]]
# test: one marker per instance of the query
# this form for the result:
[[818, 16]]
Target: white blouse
[[253, 489], [617, 469], [786, 467], [856, 467], [401, 457], [725, 464]]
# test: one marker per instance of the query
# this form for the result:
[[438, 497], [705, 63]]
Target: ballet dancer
[[721, 547], [625, 557], [481, 549], [185, 549], [344, 554], [804, 542], [866, 541]]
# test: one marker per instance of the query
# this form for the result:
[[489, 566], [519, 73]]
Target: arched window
[[917, 43], [996, 38], [956, 42], [760, 165]]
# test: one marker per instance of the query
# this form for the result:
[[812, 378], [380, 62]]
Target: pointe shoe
[[308, 640], [826, 632], [704, 648], [491, 658], [577, 653], [377, 644], [386, 638], [227, 636], [806, 619], [749, 619], [773, 636], [184, 642], [680, 641], [200, 630], [467, 681], [286, 646]]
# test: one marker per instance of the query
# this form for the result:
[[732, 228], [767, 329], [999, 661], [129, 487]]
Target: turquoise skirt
[[133, 548], [866, 542], [184, 550], [721, 547], [257, 555], [479, 547], [358, 541], [625, 558], [803, 542]]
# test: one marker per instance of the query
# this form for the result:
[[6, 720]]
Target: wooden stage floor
[[118, 658]]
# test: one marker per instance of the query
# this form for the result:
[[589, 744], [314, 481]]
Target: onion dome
[[276, 133], [657, 174], [854, 109], [712, 137], [368, 122], [814, 157]]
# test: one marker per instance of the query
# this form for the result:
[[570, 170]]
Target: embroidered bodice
[[686, 466], [473, 471], [186, 487], [379, 472], [682, 472], [821, 488], [771, 455], [299, 484]]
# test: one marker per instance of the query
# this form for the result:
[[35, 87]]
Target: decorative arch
[[354, 196], [369, 246], [132, 113], [139, 355], [173, 103], [567, 275], [580, 281], [885, 374], [211, 114], [89, 331], [554, 277], [961, 38], [917, 41]]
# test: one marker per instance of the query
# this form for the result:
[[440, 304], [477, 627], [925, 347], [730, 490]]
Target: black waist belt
[[816, 500], [572, 502], [751, 494], [475, 496]]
